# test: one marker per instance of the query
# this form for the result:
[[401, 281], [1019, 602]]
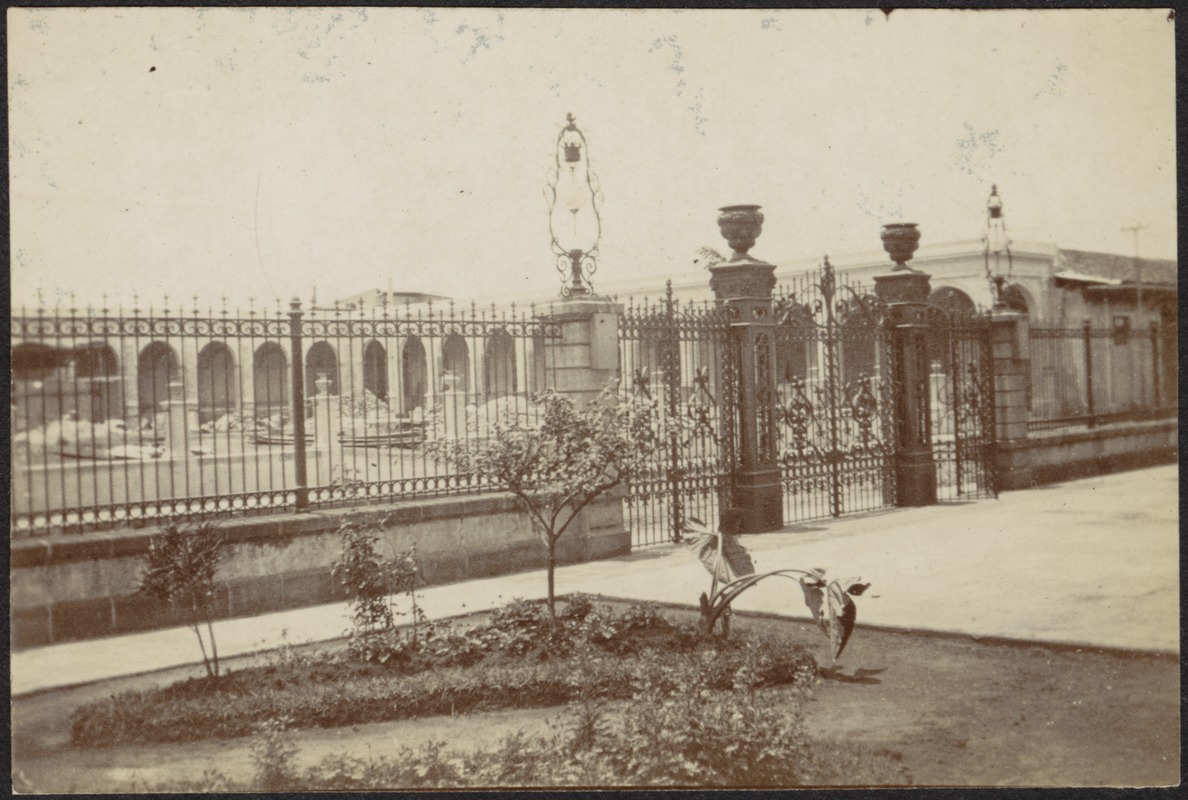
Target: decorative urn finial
[[740, 226], [900, 240]]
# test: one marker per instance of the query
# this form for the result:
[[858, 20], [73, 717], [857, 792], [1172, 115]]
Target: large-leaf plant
[[733, 573]]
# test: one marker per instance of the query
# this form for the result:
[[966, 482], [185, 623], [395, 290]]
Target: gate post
[[744, 286], [905, 293], [297, 359], [581, 362], [1011, 345], [585, 357]]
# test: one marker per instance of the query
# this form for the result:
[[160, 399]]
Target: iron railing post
[[1155, 399], [990, 413], [832, 391], [955, 377], [297, 359], [672, 386], [1087, 335]]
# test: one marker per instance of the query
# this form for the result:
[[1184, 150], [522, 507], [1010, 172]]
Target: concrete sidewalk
[[1093, 562]]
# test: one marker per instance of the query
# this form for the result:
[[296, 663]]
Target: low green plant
[[733, 573], [452, 673], [180, 569], [679, 727], [372, 583], [273, 752]]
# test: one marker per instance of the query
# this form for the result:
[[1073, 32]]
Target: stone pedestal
[[175, 420], [744, 286], [585, 358], [454, 413], [327, 423], [905, 292]]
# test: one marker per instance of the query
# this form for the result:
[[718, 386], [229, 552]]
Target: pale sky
[[252, 153]]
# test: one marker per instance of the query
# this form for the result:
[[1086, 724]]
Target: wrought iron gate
[[961, 397], [682, 358], [834, 390], [833, 408]]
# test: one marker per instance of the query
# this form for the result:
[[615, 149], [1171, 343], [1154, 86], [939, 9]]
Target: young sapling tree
[[559, 461], [181, 566]]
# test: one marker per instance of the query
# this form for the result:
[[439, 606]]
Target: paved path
[[1091, 562]]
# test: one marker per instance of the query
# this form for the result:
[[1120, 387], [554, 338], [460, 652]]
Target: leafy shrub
[[180, 569], [272, 753], [370, 580]]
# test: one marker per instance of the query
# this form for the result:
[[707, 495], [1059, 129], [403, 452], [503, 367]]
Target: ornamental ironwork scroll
[[680, 356], [834, 397], [961, 394]]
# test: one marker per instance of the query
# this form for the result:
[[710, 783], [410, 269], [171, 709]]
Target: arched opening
[[414, 372], [38, 374], [320, 361], [455, 360], [375, 369], [1017, 299], [953, 302], [270, 379], [858, 339], [539, 377], [216, 382], [796, 348], [499, 367], [156, 368], [33, 361], [95, 360], [947, 308], [98, 370]]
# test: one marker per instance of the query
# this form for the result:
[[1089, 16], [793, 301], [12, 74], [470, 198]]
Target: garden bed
[[907, 708], [516, 659]]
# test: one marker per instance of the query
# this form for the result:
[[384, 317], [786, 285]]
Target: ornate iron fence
[[961, 403], [683, 358], [1088, 376], [834, 388], [143, 417]]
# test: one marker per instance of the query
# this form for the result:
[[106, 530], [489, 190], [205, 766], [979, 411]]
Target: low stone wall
[[1049, 456], [64, 588]]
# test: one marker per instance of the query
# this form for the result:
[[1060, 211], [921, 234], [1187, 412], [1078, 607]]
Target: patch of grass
[[520, 659]]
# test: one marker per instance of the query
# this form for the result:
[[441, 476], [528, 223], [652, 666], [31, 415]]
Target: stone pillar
[[585, 358], [453, 411], [1012, 369], [744, 286], [580, 363], [326, 414], [905, 293], [175, 420]]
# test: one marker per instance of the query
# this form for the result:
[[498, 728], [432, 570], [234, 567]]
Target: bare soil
[[952, 710]]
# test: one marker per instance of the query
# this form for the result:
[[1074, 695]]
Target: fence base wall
[[85, 587], [1063, 455]]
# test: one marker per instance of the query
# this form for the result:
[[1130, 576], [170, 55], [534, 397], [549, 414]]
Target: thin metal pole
[[1138, 264], [1087, 333], [955, 378], [671, 351], [302, 500]]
